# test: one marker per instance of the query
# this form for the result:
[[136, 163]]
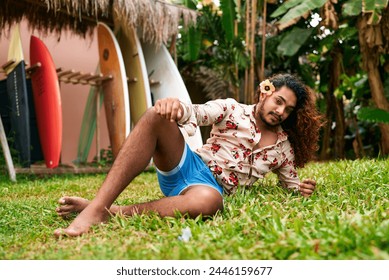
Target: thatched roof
[[157, 20]]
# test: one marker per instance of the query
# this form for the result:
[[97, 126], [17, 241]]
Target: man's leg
[[194, 201], [152, 137]]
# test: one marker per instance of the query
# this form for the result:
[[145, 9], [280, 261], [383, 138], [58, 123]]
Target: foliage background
[[339, 48]]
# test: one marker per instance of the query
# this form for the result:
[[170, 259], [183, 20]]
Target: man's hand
[[307, 187], [169, 108]]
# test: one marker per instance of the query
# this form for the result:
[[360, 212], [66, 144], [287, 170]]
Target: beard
[[262, 116]]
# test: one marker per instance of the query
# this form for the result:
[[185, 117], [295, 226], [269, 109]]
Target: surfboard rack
[[33, 68], [77, 77], [151, 81], [132, 80], [67, 76], [154, 82], [29, 70], [8, 64]]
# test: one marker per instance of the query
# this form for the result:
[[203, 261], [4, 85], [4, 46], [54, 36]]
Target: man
[[277, 134]]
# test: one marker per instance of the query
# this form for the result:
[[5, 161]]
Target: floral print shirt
[[230, 153]]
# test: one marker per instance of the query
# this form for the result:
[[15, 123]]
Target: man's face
[[275, 108]]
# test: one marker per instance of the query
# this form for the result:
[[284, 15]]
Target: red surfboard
[[47, 101]]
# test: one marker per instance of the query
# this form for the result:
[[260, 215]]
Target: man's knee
[[152, 119], [151, 116], [204, 201]]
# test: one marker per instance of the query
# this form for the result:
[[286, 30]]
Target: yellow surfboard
[[138, 82], [15, 50]]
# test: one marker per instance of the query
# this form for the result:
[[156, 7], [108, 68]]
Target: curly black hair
[[304, 123]]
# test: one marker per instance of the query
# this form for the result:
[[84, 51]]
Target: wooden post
[[264, 16], [98, 87], [7, 153]]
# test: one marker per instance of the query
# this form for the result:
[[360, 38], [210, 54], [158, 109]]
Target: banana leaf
[[228, 17], [373, 115], [296, 8]]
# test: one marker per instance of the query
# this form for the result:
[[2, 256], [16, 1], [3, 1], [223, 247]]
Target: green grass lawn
[[347, 218]]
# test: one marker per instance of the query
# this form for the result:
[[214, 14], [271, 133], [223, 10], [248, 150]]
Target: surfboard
[[166, 81], [116, 100], [15, 49], [18, 99], [89, 120], [135, 65], [19, 112], [47, 101]]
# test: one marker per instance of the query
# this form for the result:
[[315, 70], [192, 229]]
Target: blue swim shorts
[[190, 171]]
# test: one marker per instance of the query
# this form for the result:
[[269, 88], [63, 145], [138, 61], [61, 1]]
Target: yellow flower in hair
[[267, 87]]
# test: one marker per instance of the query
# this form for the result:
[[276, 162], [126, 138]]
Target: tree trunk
[[325, 153], [339, 145], [334, 113], [325, 150], [370, 56]]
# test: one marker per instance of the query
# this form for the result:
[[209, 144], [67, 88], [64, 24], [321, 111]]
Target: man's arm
[[307, 187], [287, 174], [190, 116], [169, 108]]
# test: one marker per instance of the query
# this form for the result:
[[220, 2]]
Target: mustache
[[276, 115]]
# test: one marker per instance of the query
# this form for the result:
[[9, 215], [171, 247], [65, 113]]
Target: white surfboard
[[166, 81]]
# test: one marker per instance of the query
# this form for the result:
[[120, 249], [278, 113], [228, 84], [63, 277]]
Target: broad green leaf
[[301, 9], [292, 42], [285, 7], [348, 32], [352, 8], [356, 7], [373, 115], [228, 17], [190, 4], [369, 6], [194, 43]]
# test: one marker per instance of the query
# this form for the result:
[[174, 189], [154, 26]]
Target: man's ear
[[261, 96]]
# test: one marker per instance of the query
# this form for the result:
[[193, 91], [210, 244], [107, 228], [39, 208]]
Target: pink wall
[[70, 52]]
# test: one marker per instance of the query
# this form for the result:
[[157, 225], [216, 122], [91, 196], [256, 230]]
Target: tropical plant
[[373, 115], [211, 52], [338, 17], [218, 59]]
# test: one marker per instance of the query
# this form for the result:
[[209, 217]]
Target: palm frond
[[214, 87]]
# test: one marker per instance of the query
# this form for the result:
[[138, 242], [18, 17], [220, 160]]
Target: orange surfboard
[[116, 100], [47, 101]]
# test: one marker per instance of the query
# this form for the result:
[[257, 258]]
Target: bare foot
[[82, 223], [71, 204], [75, 204]]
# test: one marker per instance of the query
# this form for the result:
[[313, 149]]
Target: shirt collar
[[281, 134], [249, 110]]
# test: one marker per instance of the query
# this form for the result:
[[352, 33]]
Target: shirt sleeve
[[287, 173], [202, 115]]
